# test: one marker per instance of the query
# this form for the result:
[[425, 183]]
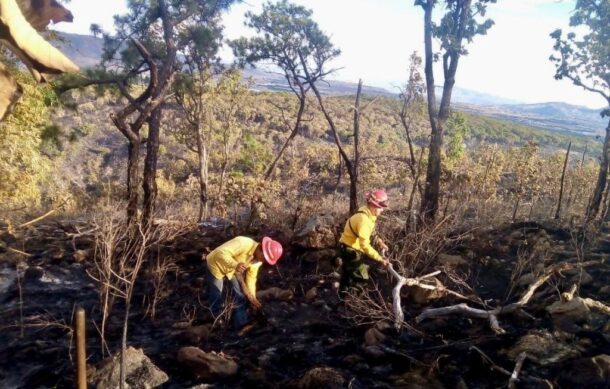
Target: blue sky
[[377, 36]]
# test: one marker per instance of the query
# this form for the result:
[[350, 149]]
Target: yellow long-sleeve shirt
[[223, 260], [363, 224]]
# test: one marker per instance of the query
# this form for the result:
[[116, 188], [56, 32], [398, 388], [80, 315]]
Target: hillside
[[86, 51], [552, 116]]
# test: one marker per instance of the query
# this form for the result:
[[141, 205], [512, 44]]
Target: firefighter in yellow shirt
[[244, 255], [355, 242]]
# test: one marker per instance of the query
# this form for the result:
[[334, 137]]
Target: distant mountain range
[[86, 51]]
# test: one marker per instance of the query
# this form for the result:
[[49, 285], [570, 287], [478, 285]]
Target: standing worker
[[242, 255], [355, 242]]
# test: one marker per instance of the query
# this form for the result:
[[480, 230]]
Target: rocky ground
[[308, 340]]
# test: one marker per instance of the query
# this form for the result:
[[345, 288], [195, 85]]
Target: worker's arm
[[379, 244], [251, 277]]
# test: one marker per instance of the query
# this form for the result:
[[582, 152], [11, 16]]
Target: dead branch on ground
[[492, 314]]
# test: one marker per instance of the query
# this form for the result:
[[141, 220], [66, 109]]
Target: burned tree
[[585, 60], [151, 39], [459, 25], [285, 30]]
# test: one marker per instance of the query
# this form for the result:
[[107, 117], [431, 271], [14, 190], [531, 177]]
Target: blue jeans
[[215, 287]]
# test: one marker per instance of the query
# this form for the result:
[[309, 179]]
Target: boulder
[[568, 314], [587, 372], [205, 365], [311, 294], [582, 278], [140, 372], [275, 293], [321, 377], [33, 273], [318, 233], [373, 337], [81, 255], [417, 379], [575, 307], [543, 348], [425, 296]]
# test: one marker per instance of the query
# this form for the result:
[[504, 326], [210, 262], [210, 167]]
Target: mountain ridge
[[86, 51]]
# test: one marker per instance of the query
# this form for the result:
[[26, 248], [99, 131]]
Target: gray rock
[[543, 348], [587, 372], [206, 365], [140, 372], [311, 294], [321, 377], [318, 232]]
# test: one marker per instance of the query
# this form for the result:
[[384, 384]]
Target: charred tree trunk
[[133, 175], [563, 176], [601, 179], [353, 182], [202, 153], [150, 165], [516, 207], [430, 201], [414, 187]]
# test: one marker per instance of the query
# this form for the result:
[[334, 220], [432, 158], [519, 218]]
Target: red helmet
[[377, 198], [272, 250]]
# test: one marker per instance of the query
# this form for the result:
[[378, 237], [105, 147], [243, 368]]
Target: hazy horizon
[[511, 69]]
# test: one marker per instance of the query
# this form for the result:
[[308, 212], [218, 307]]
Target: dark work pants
[[215, 287], [355, 271]]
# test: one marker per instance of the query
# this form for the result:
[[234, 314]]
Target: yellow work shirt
[[223, 260], [363, 225]]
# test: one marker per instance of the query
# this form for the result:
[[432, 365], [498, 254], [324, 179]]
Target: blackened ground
[[37, 302]]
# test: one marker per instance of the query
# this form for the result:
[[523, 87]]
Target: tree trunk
[[429, 206], [202, 153], [294, 132], [601, 178], [150, 165], [414, 187], [429, 203], [516, 207], [563, 176], [133, 176], [353, 178], [124, 343]]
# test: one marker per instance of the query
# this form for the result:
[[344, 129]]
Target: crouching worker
[[242, 255], [355, 242]]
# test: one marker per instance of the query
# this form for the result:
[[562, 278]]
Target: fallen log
[[417, 282], [492, 314]]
